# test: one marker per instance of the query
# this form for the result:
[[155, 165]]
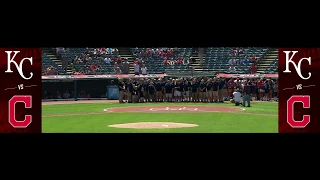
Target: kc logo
[[305, 100], [19, 67], [26, 99], [297, 67]]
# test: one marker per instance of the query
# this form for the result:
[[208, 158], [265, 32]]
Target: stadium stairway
[[196, 65], [125, 52], [52, 55], [267, 60]]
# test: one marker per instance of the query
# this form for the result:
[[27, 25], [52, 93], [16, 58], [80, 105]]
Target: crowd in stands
[[168, 56], [50, 70], [238, 57], [92, 59], [179, 61]]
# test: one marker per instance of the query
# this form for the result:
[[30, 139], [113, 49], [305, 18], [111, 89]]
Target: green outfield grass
[[262, 117]]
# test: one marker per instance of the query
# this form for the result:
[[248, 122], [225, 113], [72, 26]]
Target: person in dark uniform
[[198, 81], [180, 89], [130, 90], [168, 89], [146, 90], [266, 90], [221, 90], [246, 94], [252, 85], [140, 93], [135, 93], [189, 87], [215, 90], [121, 86], [209, 92], [152, 91], [158, 87], [163, 83], [194, 90], [186, 91], [203, 90]]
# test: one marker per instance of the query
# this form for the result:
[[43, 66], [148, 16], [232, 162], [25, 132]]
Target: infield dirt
[[153, 125]]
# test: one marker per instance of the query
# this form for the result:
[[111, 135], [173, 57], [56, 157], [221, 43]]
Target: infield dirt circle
[[153, 125], [173, 109]]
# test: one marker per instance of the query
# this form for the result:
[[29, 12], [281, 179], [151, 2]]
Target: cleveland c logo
[[27, 100], [305, 100]]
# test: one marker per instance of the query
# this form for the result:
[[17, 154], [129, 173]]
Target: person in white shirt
[[144, 70], [107, 60], [186, 61], [237, 97], [232, 69]]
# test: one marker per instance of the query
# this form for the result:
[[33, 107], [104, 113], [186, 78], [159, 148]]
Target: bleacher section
[[46, 62], [272, 68], [105, 68], [217, 59], [155, 64]]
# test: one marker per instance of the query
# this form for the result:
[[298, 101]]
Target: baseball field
[[112, 117]]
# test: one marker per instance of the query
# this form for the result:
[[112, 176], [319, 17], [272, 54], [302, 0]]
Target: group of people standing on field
[[208, 90], [260, 89]]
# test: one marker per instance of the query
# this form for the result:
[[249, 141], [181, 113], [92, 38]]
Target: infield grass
[[262, 117]]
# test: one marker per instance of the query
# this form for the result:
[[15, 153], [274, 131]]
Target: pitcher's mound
[[153, 125]]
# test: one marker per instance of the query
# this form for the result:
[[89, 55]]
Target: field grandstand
[[160, 60]]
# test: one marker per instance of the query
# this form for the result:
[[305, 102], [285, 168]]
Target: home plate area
[[174, 109]]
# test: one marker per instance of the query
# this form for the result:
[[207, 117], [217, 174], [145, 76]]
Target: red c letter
[[27, 100], [305, 100]]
